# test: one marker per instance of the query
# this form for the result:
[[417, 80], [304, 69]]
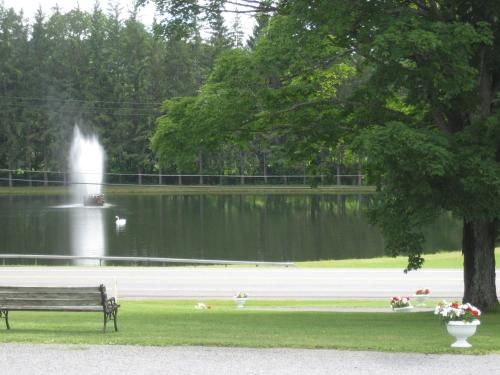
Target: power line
[[96, 112], [50, 106], [48, 99]]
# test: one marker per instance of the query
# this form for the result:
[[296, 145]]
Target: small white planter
[[402, 309], [462, 331], [421, 299], [240, 302]]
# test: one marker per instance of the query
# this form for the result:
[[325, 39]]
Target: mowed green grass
[[452, 259], [165, 323]]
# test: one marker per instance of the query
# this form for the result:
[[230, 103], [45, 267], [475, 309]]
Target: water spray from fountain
[[86, 164]]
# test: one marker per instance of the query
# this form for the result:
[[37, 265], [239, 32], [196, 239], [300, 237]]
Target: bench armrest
[[111, 304]]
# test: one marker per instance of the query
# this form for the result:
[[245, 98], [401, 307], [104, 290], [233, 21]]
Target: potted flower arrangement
[[460, 319], [240, 299], [421, 295], [401, 304]]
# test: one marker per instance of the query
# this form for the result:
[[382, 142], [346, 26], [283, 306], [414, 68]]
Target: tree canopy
[[409, 87]]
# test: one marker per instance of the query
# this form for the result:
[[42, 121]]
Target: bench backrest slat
[[52, 296], [50, 289], [44, 295], [48, 302]]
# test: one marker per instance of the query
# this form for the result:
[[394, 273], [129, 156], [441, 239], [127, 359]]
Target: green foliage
[[168, 142], [477, 190], [263, 102], [407, 164]]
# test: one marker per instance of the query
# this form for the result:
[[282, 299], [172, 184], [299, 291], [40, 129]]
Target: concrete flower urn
[[420, 299], [240, 302], [462, 330], [240, 299]]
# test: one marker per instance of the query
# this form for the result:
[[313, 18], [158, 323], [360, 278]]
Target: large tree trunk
[[478, 248]]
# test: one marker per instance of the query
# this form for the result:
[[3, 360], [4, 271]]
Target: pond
[[230, 227]]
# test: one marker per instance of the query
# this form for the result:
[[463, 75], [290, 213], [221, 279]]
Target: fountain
[[86, 163]]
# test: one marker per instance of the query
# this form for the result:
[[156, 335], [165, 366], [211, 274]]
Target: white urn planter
[[402, 309], [462, 331], [240, 302], [421, 299]]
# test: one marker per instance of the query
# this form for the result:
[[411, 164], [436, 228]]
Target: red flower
[[475, 313], [454, 305]]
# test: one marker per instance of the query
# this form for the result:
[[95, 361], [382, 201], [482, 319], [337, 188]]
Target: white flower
[[454, 311], [200, 306]]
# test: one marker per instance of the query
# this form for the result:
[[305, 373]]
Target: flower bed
[[401, 303], [454, 311]]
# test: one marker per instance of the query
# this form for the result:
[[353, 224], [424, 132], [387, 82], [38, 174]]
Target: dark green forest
[[93, 69], [115, 77]]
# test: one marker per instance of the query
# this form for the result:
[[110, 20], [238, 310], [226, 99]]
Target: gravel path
[[20, 359]]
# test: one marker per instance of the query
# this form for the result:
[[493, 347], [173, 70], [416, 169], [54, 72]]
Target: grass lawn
[[452, 259], [178, 323]]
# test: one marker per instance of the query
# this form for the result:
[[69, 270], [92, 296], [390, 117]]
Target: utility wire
[[118, 112], [48, 107], [47, 99]]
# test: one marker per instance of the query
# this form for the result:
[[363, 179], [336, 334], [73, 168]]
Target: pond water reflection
[[88, 233], [233, 227]]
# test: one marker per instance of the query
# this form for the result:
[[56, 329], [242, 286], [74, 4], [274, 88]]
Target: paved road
[[258, 282], [21, 359]]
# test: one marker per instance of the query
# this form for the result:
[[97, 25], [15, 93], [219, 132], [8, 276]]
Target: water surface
[[232, 227]]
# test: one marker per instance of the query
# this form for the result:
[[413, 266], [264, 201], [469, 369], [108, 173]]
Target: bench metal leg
[[115, 314], [110, 315], [5, 315], [105, 322]]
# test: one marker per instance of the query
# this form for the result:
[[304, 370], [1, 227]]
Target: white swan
[[120, 221]]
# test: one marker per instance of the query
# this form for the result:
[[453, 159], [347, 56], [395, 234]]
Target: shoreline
[[197, 189]]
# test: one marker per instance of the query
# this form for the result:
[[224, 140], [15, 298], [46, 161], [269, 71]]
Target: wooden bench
[[78, 299]]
